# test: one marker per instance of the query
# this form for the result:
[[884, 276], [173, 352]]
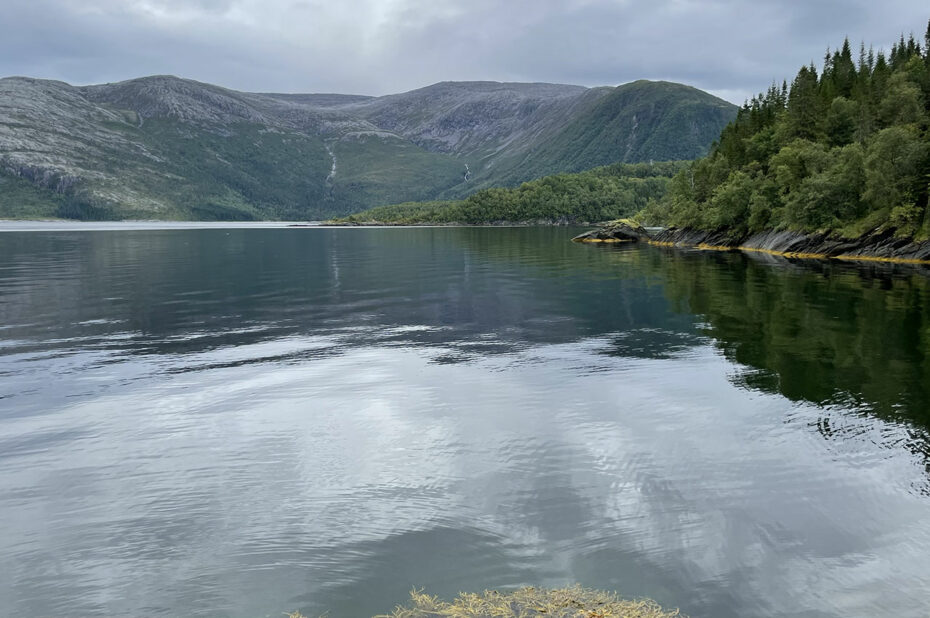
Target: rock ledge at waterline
[[881, 244]]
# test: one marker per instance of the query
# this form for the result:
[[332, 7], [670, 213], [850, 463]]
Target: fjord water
[[242, 422]]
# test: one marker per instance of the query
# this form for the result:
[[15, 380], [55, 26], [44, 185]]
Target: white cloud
[[732, 47]]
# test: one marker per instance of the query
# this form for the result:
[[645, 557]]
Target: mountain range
[[162, 147]]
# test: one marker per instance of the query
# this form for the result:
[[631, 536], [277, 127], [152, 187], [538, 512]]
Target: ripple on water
[[208, 424]]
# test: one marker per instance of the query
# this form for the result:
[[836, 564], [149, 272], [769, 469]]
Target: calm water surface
[[241, 422]]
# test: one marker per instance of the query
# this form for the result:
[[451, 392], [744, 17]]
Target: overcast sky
[[732, 48]]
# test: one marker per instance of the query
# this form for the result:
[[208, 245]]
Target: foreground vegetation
[[573, 602], [845, 149], [601, 194]]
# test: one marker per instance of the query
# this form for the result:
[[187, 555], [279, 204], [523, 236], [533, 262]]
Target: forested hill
[[167, 148], [845, 149], [601, 194]]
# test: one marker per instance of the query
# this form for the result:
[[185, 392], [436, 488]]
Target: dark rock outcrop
[[621, 230], [879, 244]]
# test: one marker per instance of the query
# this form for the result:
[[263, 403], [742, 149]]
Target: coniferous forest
[[845, 148]]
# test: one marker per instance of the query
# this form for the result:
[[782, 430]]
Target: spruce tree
[[927, 44], [843, 73], [804, 104]]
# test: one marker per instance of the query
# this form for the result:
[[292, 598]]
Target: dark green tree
[[848, 149]]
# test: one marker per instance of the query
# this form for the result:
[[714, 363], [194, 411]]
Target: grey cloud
[[731, 47]]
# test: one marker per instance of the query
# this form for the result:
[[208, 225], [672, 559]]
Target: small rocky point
[[621, 230]]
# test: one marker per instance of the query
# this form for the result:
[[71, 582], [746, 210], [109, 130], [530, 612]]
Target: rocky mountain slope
[[169, 148]]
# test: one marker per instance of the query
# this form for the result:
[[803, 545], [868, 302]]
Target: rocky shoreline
[[877, 245]]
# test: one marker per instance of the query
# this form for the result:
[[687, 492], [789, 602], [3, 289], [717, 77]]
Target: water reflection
[[243, 422], [828, 332], [852, 338]]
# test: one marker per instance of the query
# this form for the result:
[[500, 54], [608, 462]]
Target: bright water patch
[[248, 421]]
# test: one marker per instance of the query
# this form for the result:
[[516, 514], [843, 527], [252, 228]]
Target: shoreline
[[71, 225], [875, 246], [7, 225], [538, 223]]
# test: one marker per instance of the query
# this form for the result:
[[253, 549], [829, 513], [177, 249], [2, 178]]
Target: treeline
[[846, 149], [601, 194]]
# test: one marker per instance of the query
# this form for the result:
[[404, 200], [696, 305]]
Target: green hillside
[[601, 194], [843, 149], [639, 121], [167, 148], [385, 170]]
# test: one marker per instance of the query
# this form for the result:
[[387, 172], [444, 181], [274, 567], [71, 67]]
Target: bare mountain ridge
[[446, 117], [165, 147]]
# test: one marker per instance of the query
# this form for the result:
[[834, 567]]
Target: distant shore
[[537, 223], [44, 225]]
